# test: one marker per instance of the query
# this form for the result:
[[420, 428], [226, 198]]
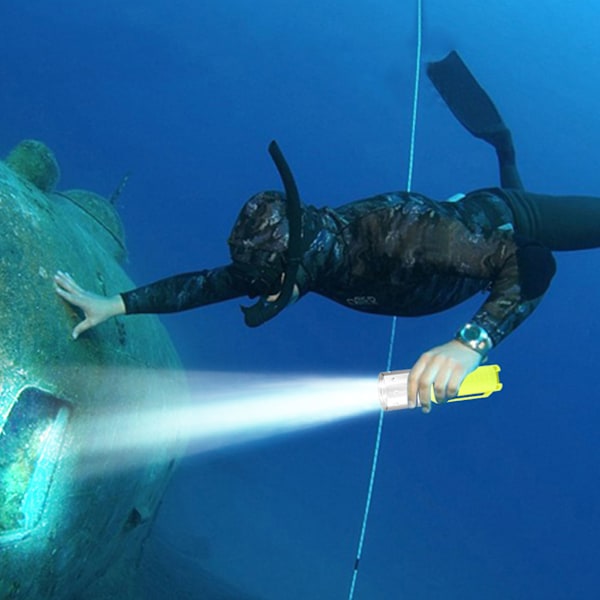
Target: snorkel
[[265, 309]]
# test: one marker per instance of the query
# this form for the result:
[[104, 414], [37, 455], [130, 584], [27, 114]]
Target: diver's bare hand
[[95, 308], [444, 367]]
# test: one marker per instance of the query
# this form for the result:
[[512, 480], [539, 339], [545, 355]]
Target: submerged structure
[[70, 528]]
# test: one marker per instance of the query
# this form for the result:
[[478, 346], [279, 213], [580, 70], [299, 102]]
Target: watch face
[[472, 333]]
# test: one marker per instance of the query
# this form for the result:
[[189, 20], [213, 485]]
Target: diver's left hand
[[444, 367]]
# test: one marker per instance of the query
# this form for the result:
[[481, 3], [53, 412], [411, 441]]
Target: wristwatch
[[476, 338]]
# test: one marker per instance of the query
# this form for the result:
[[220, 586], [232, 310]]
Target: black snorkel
[[264, 309]]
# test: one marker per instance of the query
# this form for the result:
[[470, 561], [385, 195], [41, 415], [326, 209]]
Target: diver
[[396, 253]]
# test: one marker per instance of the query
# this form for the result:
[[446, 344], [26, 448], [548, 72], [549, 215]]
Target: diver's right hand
[[95, 308]]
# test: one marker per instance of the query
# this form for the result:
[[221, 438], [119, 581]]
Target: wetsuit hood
[[260, 235], [267, 241]]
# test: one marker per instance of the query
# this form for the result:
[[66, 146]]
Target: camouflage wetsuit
[[403, 254]]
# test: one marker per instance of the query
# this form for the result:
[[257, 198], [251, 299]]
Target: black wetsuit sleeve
[[506, 307], [522, 279], [518, 270], [496, 257], [189, 290]]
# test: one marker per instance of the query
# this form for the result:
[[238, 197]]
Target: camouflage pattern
[[393, 254], [261, 233]]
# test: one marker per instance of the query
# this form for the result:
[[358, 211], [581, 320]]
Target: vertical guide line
[[411, 161]]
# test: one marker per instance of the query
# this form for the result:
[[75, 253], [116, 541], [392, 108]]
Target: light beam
[[225, 409]]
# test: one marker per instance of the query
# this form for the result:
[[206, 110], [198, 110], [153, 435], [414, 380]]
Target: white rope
[[411, 160]]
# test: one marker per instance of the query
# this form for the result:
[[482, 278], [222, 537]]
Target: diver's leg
[[474, 109], [507, 160], [558, 222]]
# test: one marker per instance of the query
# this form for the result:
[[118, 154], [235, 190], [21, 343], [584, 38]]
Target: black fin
[[464, 96], [474, 109]]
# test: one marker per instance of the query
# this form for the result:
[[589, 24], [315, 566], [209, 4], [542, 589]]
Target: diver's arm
[[513, 297], [188, 290], [177, 293], [521, 271]]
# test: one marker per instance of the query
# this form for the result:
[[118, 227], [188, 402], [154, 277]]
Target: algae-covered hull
[[72, 522]]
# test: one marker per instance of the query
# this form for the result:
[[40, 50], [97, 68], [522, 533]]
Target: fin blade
[[465, 97]]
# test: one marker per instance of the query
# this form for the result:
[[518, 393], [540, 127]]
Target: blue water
[[496, 499]]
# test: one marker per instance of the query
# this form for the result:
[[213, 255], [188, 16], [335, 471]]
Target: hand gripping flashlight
[[481, 383]]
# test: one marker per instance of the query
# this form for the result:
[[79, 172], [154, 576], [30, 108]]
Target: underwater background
[[496, 499]]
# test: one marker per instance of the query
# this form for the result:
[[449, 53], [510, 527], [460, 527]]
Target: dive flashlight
[[481, 383]]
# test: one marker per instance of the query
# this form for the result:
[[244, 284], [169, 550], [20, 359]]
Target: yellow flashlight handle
[[481, 383]]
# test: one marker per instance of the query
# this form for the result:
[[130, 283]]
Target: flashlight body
[[393, 387]]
